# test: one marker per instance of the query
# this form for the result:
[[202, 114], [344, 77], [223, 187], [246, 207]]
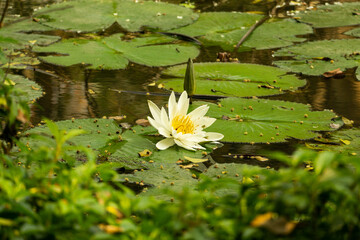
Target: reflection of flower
[[185, 130]]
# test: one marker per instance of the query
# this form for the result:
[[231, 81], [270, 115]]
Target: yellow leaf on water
[[34, 88], [346, 142], [196, 160], [91, 91], [145, 153]]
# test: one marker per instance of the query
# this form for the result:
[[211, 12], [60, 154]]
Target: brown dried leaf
[[333, 73], [142, 122]]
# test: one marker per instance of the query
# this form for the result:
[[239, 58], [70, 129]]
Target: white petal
[[155, 111], [153, 123], [165, 143], [199, 112], [172, 105], [164, 132], [183, 104], [204, 122], [213, 136], [164, 118], [181, 144]]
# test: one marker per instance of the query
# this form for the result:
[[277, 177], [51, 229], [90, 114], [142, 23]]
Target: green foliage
[[318, 57], [226, 29], [341, 14], [14, 109], [233, 79], [266, 121], [115, 53], [94, 15]]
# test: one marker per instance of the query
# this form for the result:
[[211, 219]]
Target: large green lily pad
[[159, 178], [341, 14], [17, 35], [115, 53], [233, 79], [106, 138], [226, 29], [31, 90], [318, 57], [94, 15], [266, 121], [354, 32], [344, 141]]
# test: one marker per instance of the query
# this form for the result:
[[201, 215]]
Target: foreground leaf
[[233, 79], [266, 121]]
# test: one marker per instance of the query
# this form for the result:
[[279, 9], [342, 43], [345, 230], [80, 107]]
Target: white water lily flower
[[180, 128]]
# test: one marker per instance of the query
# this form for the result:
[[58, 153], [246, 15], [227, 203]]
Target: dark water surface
[[67, 90]]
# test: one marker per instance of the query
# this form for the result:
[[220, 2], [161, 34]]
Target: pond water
[[67, 88]]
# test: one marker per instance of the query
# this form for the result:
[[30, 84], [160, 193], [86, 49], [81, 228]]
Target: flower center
[[183, 124]]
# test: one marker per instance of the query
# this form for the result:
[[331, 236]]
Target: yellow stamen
[[183, 124]]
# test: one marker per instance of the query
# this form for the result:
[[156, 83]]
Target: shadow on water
[[76, 92]]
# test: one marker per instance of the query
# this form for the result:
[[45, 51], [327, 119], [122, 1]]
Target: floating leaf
[[31, 90], [114, 53], [226, 29], [318, 57], [159, 177], [20, 34], [94, 15], [341, 14], [266, 121], [354, 32], [233, 79], [344, 141], [106, 138]]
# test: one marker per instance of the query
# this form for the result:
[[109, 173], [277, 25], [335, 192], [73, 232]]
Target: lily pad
[[354, 32], [158, 179], [106, 138], [233, 79], [94, 15], [115, 53], [30, 89], [344, 141], [226, 29], [17, 35], [341, 14], [266, 121], [318, 57]]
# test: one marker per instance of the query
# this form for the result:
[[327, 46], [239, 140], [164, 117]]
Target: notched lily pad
[[266, 121], [345, 141], [232, 79], [17, 35], [341, 14], [94, 15], [318, 57], [115, 53], [226, 29], [112, 145], [30, 89]]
